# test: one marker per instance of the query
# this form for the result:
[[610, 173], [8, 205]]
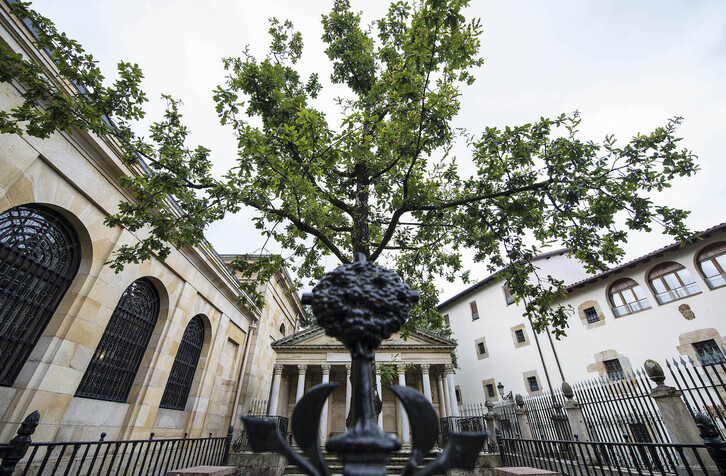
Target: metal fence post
[[227, 445], [18, 446], [677, 419]]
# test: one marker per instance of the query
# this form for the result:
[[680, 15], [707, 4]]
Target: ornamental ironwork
[[185, 365], [111, 372], [361, 304], [39, 256]]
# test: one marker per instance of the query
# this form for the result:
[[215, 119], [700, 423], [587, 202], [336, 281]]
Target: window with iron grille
[[533, 385], [519, 334], [481, 348], [185, 364], [591, 315], [39, 256], [490, 390], [112, 370], [708, 352], [474, 311], [614, 369]]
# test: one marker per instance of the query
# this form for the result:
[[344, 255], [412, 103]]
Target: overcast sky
[[626, 66]]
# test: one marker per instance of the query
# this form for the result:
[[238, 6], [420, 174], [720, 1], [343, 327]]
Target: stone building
[[665, 304], [309, 358], [170, 347]]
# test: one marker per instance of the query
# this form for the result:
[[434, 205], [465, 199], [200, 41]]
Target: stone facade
[[76, 176]]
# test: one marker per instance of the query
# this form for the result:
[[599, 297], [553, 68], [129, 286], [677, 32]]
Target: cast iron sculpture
[[712, 439], [361, 304]]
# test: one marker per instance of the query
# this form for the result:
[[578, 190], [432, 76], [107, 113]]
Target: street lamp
[[500, 389]]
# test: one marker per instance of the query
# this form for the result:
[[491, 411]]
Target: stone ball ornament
[[361, 304]]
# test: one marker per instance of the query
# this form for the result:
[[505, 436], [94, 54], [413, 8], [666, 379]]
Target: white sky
[[627, 66]]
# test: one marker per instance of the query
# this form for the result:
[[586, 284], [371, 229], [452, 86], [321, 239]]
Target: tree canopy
[[383, 182]]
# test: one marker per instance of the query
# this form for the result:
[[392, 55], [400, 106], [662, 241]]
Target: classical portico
[[309, 357]]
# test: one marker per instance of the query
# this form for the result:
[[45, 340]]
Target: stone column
[[452, 390], [324, 415], [447, 402], [405, 432], [380, 394], [523, 419], [275, 392], [574, 414], [442, 396], [426, 382], [301, 370], [348, 390], [677, 419]]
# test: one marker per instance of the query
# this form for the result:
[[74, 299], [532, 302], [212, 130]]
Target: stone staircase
[[395, 465]]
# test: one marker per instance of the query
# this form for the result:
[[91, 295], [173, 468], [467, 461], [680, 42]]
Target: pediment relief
[[316, 338]]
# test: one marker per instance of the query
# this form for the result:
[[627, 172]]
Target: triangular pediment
[[315, 338]]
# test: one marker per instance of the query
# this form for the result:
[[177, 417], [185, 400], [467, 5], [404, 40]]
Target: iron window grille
[[474, 311], [533, 385], [490, 390], [591, 315], [112, 370], [482, 349], [39, 256], [519, 334], [180, 380], [614, 369], [708, 352]]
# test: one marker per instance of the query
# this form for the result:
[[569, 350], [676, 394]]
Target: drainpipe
[[248, 341]]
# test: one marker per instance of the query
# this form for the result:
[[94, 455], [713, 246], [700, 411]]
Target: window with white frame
[[626, 297], [474, 311], [712, 263], [672, 281]]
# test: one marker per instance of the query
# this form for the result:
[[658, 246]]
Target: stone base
[[203, 471], [523, 470]]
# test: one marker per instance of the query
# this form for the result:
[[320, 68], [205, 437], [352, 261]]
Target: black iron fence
[[506, 416], [575, 458], [458, 424], [547, 419], [241, 443], [122, 457]]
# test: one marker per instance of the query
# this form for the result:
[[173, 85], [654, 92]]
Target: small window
[[627, 297], [474, 311], [712, 263], [446, 320], [481, 348], [519, 334], [708, 352], [591, 315], [282, 329], [490, 390], [614, 369], [508, 294], [672, 281], [533, 385]]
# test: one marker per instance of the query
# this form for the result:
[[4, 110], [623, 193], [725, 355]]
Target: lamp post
[[361, 304]]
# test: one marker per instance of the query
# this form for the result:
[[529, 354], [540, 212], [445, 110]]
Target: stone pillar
[[447, 402], [405, 432], [324, 415], [574, 414], [452, 390], [677, 419], [523, 419], [348, 390], [442, 396], [426, 382], [380, 394], [275, 392], [301, 370]]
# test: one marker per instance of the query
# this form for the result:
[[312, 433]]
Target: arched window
[[39, 257], [712, 262], [113, 367], [626, 297], [185, 364], [282, 329], [671, 281]]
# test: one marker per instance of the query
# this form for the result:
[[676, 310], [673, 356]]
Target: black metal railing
[[241, 443], [123, 457], [547, 418], [506, 416], [450, 425], [575, 458]]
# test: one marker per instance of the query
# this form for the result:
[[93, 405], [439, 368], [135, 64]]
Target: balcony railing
[[631, 307], [716, 281], [677, 293]]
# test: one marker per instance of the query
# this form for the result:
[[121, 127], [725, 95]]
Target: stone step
[[395, 465]]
